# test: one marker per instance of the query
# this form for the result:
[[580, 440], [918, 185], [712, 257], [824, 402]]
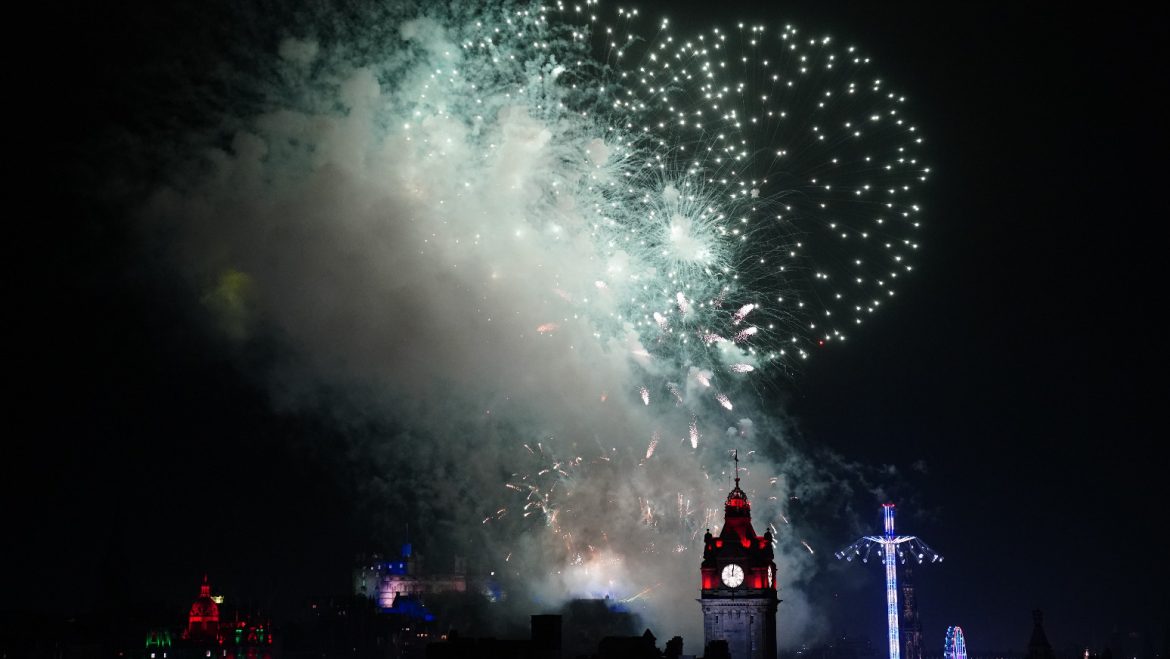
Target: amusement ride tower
[[895, 549]]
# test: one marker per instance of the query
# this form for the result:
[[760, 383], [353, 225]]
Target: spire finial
[[736, 456]]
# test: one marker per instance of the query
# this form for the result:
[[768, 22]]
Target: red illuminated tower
[[203, 621], [739, 583]]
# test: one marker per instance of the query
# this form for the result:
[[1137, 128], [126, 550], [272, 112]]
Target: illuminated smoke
[[437, 212]]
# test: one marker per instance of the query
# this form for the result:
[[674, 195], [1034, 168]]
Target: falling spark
[[745, 334], [743, 311]]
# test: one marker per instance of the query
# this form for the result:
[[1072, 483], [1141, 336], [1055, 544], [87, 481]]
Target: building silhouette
[[911, 624], [1038, 646]]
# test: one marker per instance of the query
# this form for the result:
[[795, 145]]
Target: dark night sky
[[1021, 363], [1023, 371]]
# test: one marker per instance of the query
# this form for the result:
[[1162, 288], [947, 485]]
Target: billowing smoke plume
[[460, 227]]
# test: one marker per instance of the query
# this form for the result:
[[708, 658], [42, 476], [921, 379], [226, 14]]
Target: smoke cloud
[[430, 212]]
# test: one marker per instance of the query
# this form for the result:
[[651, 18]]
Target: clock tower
[[739, 583]]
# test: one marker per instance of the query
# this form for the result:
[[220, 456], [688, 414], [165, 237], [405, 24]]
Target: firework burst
[[636, 227]]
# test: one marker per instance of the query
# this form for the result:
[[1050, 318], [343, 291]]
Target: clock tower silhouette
[[739, 583]]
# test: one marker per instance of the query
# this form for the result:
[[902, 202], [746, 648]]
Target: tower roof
[[1038, 646], [204, 608], [737, 502], [737, 516]]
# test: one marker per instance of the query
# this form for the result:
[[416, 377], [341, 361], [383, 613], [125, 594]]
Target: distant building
[[588, 620], [385, 582], [203, 620], [629, 647], [209, 634], [544, 643], [739, 584], [911, 626], [159, 640], [1038, 645], [842, 647], [355, 627]]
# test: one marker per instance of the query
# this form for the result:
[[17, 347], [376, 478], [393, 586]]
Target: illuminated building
[[739, 583], [392, 584], [159, 640], [206, 627], [203, 620]]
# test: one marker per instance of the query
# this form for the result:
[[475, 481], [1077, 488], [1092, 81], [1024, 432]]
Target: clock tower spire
[[739, 582]]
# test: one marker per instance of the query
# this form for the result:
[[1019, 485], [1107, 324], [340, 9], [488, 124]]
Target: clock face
[[733, 575]]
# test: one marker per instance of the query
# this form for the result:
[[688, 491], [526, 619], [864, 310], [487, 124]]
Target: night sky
[[1013, 387]]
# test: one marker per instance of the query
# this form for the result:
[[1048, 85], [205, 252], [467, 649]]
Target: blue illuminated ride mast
[[894, 548]]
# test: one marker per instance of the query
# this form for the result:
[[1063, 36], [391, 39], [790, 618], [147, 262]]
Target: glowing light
[[746, 334], [742, 313], [956, 644], [890, 544]]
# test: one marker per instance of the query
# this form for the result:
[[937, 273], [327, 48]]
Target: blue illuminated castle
[[398, 585]]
